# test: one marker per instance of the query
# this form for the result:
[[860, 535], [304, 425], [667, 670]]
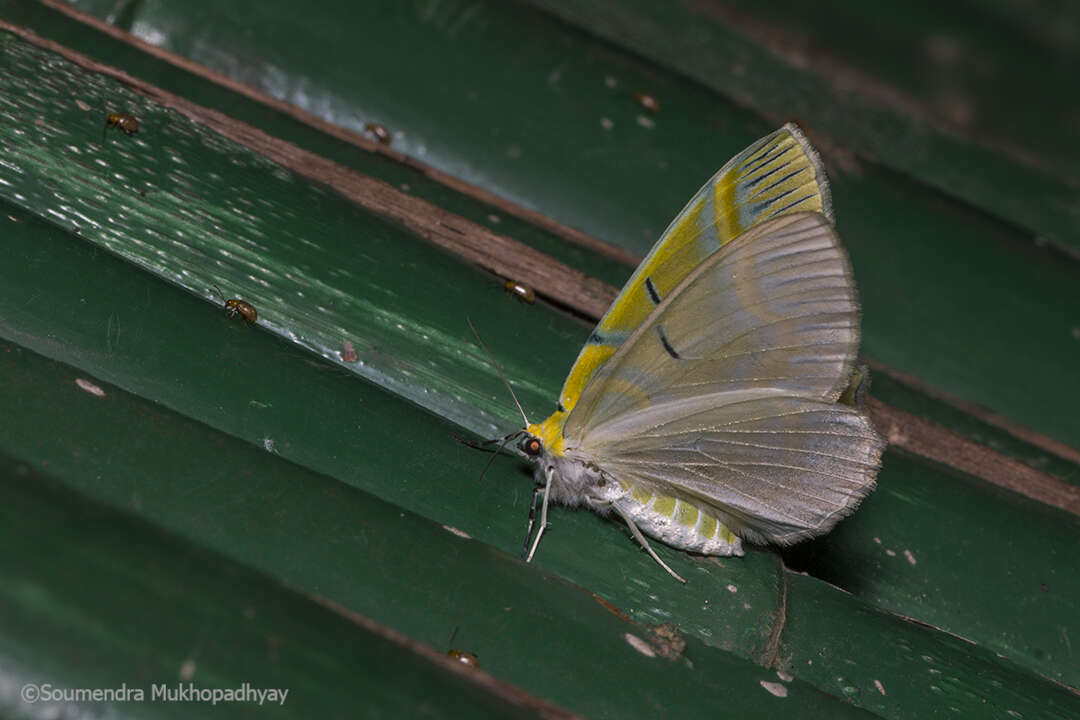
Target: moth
[[704, 409]]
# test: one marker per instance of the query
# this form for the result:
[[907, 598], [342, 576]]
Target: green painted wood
[[317, 535], [968, 565], [107, 601], [937, 277], [61, 28], [905, 397], [138, 332], [944, 63], [845, 646], [1027, 180], [167, 345]]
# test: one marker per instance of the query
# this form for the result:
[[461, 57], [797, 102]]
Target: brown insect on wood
[[121, 121], [520, 291], [381, 134], [236, 306]]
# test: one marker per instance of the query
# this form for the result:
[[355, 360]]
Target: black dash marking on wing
[[782, 180], [651, 289], [790, 205], [762, 156], [766, 204], [596, 339], [560, 407], [665, 343], [775, 152], [765, 176]]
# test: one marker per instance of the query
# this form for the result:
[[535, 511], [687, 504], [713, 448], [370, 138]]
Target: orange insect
[[466, 658], [244, 309], [121, 121], [235, 306], [520, 291], [382, 135]]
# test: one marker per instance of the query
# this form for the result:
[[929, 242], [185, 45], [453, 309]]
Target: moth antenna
[[499, 370], [498, 450], [484, 445], [220, 294]]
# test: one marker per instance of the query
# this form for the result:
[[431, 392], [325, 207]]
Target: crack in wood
[[771, 651]]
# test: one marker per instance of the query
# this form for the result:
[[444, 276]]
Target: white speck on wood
[[776, 689], [640, 645], [90, 387]]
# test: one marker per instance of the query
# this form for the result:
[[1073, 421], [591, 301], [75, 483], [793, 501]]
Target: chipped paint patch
[[732, 589], [910, 556], [667, 641], [890, 553], [879, 686], [776, 689], [784, 676], [640, 645], [459, 533], [90, 387], [187, 669]]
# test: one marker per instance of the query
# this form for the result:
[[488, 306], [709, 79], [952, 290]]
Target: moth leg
[[645, 543], [529, 528], [543, 515]]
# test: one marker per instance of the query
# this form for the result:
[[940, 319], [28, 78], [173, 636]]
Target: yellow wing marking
[[592, 356], [633, 304], [778, 174]]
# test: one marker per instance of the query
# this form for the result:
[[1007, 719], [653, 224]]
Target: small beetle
[[235, 306], [121, 121], [244, 309], [520, 291], [381, 134], [465, 658]]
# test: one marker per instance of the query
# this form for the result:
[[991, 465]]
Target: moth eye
[[532, 446]]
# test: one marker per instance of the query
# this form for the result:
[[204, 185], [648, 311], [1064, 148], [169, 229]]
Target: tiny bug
[[648, 102], [465, 658], [244, 309], [520, 291], [121, 121], [381, 134], [235, 306], [348, 354]]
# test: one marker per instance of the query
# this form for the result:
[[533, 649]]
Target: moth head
[[531, 445]]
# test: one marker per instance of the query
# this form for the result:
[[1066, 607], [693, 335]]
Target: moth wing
[[772, 469], [777, 175], [726, 393], [772, 313]]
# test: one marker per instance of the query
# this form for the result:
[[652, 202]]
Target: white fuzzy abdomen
[[678, 523]]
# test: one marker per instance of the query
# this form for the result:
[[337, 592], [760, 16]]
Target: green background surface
[[254, 464]]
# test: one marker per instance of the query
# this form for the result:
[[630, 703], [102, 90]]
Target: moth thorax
[[576, 481]]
